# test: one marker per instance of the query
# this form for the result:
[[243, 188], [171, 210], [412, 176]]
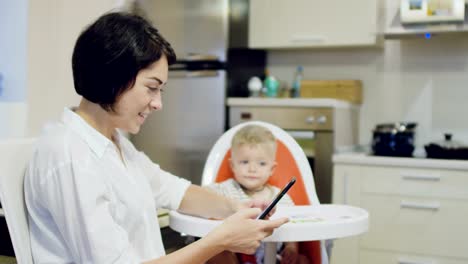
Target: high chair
[[291, 162], [14, 156]]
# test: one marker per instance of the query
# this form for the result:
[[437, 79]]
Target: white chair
[[14, 156], [291, 162]]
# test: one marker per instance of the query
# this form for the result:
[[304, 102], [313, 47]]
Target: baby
[[253, 153]]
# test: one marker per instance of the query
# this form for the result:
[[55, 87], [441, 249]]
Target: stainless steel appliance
[[333, 128], [180, 136]]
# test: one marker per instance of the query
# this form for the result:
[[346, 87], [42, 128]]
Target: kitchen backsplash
[[425, 81]]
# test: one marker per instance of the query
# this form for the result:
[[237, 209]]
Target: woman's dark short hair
[[109, 54]]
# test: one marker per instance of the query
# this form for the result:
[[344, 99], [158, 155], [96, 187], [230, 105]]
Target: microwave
[[428, 11]]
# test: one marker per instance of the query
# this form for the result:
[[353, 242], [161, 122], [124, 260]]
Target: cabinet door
[[312, 23], [346, 190], [427, 226], [415, 182]]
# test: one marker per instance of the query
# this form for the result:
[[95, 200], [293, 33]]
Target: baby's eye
[[244, 162], [262, 163]]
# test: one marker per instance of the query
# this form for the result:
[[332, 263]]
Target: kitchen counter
[[293, 102], [366, 159], [7, 260]]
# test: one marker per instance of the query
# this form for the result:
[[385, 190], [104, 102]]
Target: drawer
[[320, 119], [383, 257], [415, 182], [416, 225]]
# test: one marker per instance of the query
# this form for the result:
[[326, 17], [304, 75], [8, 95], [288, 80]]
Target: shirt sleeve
[[168, 190], [79, 203]]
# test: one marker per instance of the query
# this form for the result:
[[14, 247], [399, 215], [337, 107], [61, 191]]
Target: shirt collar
[[96, 141]]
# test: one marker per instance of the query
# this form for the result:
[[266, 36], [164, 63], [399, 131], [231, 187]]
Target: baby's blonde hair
[[254, 135]]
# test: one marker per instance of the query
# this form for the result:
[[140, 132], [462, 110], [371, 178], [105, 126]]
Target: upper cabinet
[[313, 23]]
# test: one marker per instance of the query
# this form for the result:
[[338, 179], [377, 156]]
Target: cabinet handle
[[419, 177], [307, 38], [405, 261], [420, 206]]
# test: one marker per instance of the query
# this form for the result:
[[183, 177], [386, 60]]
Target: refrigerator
[[180, 136]]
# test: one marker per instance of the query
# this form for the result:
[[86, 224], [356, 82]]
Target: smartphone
[[277, 198]]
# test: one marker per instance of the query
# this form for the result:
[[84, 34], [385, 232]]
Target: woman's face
[[134, 106]]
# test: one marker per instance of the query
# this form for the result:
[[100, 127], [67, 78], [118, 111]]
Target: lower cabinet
[[416, 216], [385, 257]]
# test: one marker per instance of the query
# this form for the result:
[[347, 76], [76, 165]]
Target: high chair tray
[[306, 223]]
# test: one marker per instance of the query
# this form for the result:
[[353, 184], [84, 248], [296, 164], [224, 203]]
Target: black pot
[[395, 139], [446, 150]]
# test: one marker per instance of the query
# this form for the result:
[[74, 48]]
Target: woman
[[91, 196]]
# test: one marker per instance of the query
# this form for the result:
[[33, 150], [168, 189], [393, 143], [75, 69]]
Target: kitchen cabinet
[[313, 23], [417, 214]]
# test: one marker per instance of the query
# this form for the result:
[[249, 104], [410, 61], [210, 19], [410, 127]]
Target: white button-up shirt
[[87, 206]]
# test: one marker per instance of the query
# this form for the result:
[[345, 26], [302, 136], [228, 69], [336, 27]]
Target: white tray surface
[[306, 223]]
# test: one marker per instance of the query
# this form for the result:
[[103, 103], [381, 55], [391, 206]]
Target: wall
[[53, 28], [406, 80], [13, 33]]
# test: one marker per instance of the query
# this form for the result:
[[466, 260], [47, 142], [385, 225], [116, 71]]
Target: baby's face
[[252, 165]]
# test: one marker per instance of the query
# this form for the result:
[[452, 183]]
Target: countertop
[[365, 159], [293, 102], [7, 260]]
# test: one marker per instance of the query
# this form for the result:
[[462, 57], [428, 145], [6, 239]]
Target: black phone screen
[[277, 198]]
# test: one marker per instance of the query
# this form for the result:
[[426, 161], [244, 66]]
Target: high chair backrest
[[291, 162], [14, 156], [290, 158]]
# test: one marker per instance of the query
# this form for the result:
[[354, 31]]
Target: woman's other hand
[[242, 233]]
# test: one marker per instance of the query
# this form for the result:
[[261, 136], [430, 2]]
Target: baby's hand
[[290, 253]]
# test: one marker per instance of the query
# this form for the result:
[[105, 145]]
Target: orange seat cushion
[[286, 168]]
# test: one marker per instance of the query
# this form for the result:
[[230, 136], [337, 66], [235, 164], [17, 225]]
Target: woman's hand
[[262, 204], [242, 233]]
